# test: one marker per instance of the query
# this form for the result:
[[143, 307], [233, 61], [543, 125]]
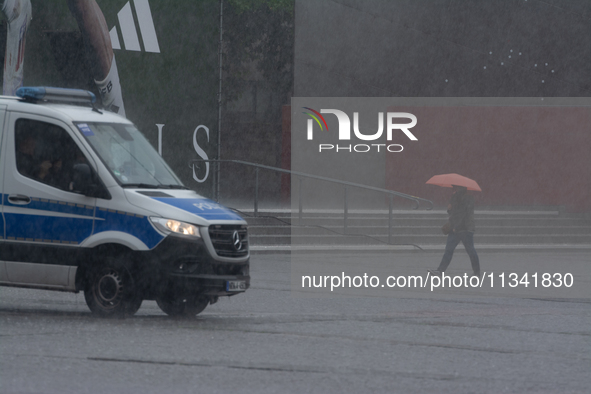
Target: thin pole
[[300, 208], [256, 193], [217, 180], [391, 202], [346, 212]]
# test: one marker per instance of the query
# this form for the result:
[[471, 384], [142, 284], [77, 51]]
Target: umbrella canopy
[[450, 180]]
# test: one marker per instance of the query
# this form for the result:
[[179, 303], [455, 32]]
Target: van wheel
[[110, 290], [186, 307]]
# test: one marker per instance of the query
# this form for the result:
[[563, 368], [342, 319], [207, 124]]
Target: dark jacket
[[461, 213]]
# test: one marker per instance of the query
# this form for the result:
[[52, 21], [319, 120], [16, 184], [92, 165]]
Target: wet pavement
[[273, 340]]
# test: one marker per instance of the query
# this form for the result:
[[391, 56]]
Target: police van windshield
[[129, 156]]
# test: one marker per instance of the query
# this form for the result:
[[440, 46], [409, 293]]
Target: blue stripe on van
[[207, 209], [137, 225], [53, 206], [28, 227], [47, 229]]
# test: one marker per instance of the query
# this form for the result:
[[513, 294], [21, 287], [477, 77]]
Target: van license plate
[[235, 285]]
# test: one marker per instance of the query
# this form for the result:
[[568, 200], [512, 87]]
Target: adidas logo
[[129, 32]]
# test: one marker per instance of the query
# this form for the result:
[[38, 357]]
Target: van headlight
[[174, 226]]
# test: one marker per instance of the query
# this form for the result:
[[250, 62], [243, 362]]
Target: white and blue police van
[[89, 205]]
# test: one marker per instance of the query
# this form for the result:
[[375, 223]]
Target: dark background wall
[[463, 48], [440, 48]]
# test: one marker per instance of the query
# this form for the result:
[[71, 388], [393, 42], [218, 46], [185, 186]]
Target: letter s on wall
[[201, 154]]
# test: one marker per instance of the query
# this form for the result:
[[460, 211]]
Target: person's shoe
[[110, 90], [435, 272]]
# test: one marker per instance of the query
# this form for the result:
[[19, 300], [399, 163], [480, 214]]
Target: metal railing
[[346, 184]]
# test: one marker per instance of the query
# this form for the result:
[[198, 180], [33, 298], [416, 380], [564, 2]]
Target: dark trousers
[[453, 239]]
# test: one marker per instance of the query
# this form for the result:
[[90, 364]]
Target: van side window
[[46, 153]]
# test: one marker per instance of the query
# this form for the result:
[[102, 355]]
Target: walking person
[[461, 229]]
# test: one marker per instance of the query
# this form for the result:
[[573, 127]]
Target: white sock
[[110, 90], [19, 14]]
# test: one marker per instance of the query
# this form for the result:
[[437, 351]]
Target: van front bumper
[[183, 266], [210, 285]]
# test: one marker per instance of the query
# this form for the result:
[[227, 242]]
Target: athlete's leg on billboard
[[93, 26], [18, 13]]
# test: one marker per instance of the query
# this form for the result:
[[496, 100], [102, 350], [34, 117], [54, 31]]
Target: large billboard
[[154, 62]]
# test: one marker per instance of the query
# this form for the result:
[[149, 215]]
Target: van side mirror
[[82, 180], [87, 183]]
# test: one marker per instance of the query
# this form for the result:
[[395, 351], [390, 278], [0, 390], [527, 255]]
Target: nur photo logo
[[392, 120]]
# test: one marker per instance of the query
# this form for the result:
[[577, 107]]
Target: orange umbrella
[[449, 180]]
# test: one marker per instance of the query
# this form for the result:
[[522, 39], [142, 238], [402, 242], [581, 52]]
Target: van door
[[3, 276], [45, 221]]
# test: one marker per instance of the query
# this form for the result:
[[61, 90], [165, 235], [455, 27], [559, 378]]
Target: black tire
[[110, 290], [182, 307]]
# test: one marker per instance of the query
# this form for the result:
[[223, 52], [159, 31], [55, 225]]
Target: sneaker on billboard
[[110, 90]]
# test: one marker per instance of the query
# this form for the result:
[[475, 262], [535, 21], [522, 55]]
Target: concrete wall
[[520, 155]]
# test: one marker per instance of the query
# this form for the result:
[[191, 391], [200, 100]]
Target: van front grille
[[229, 240]]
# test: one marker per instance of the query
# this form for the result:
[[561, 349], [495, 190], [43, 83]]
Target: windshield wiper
[[174, 187], [141, 185], [151, 186]]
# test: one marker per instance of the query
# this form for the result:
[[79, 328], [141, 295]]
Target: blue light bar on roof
[[56, 94]]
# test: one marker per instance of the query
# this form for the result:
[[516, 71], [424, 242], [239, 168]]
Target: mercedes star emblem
[[236, 241]]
